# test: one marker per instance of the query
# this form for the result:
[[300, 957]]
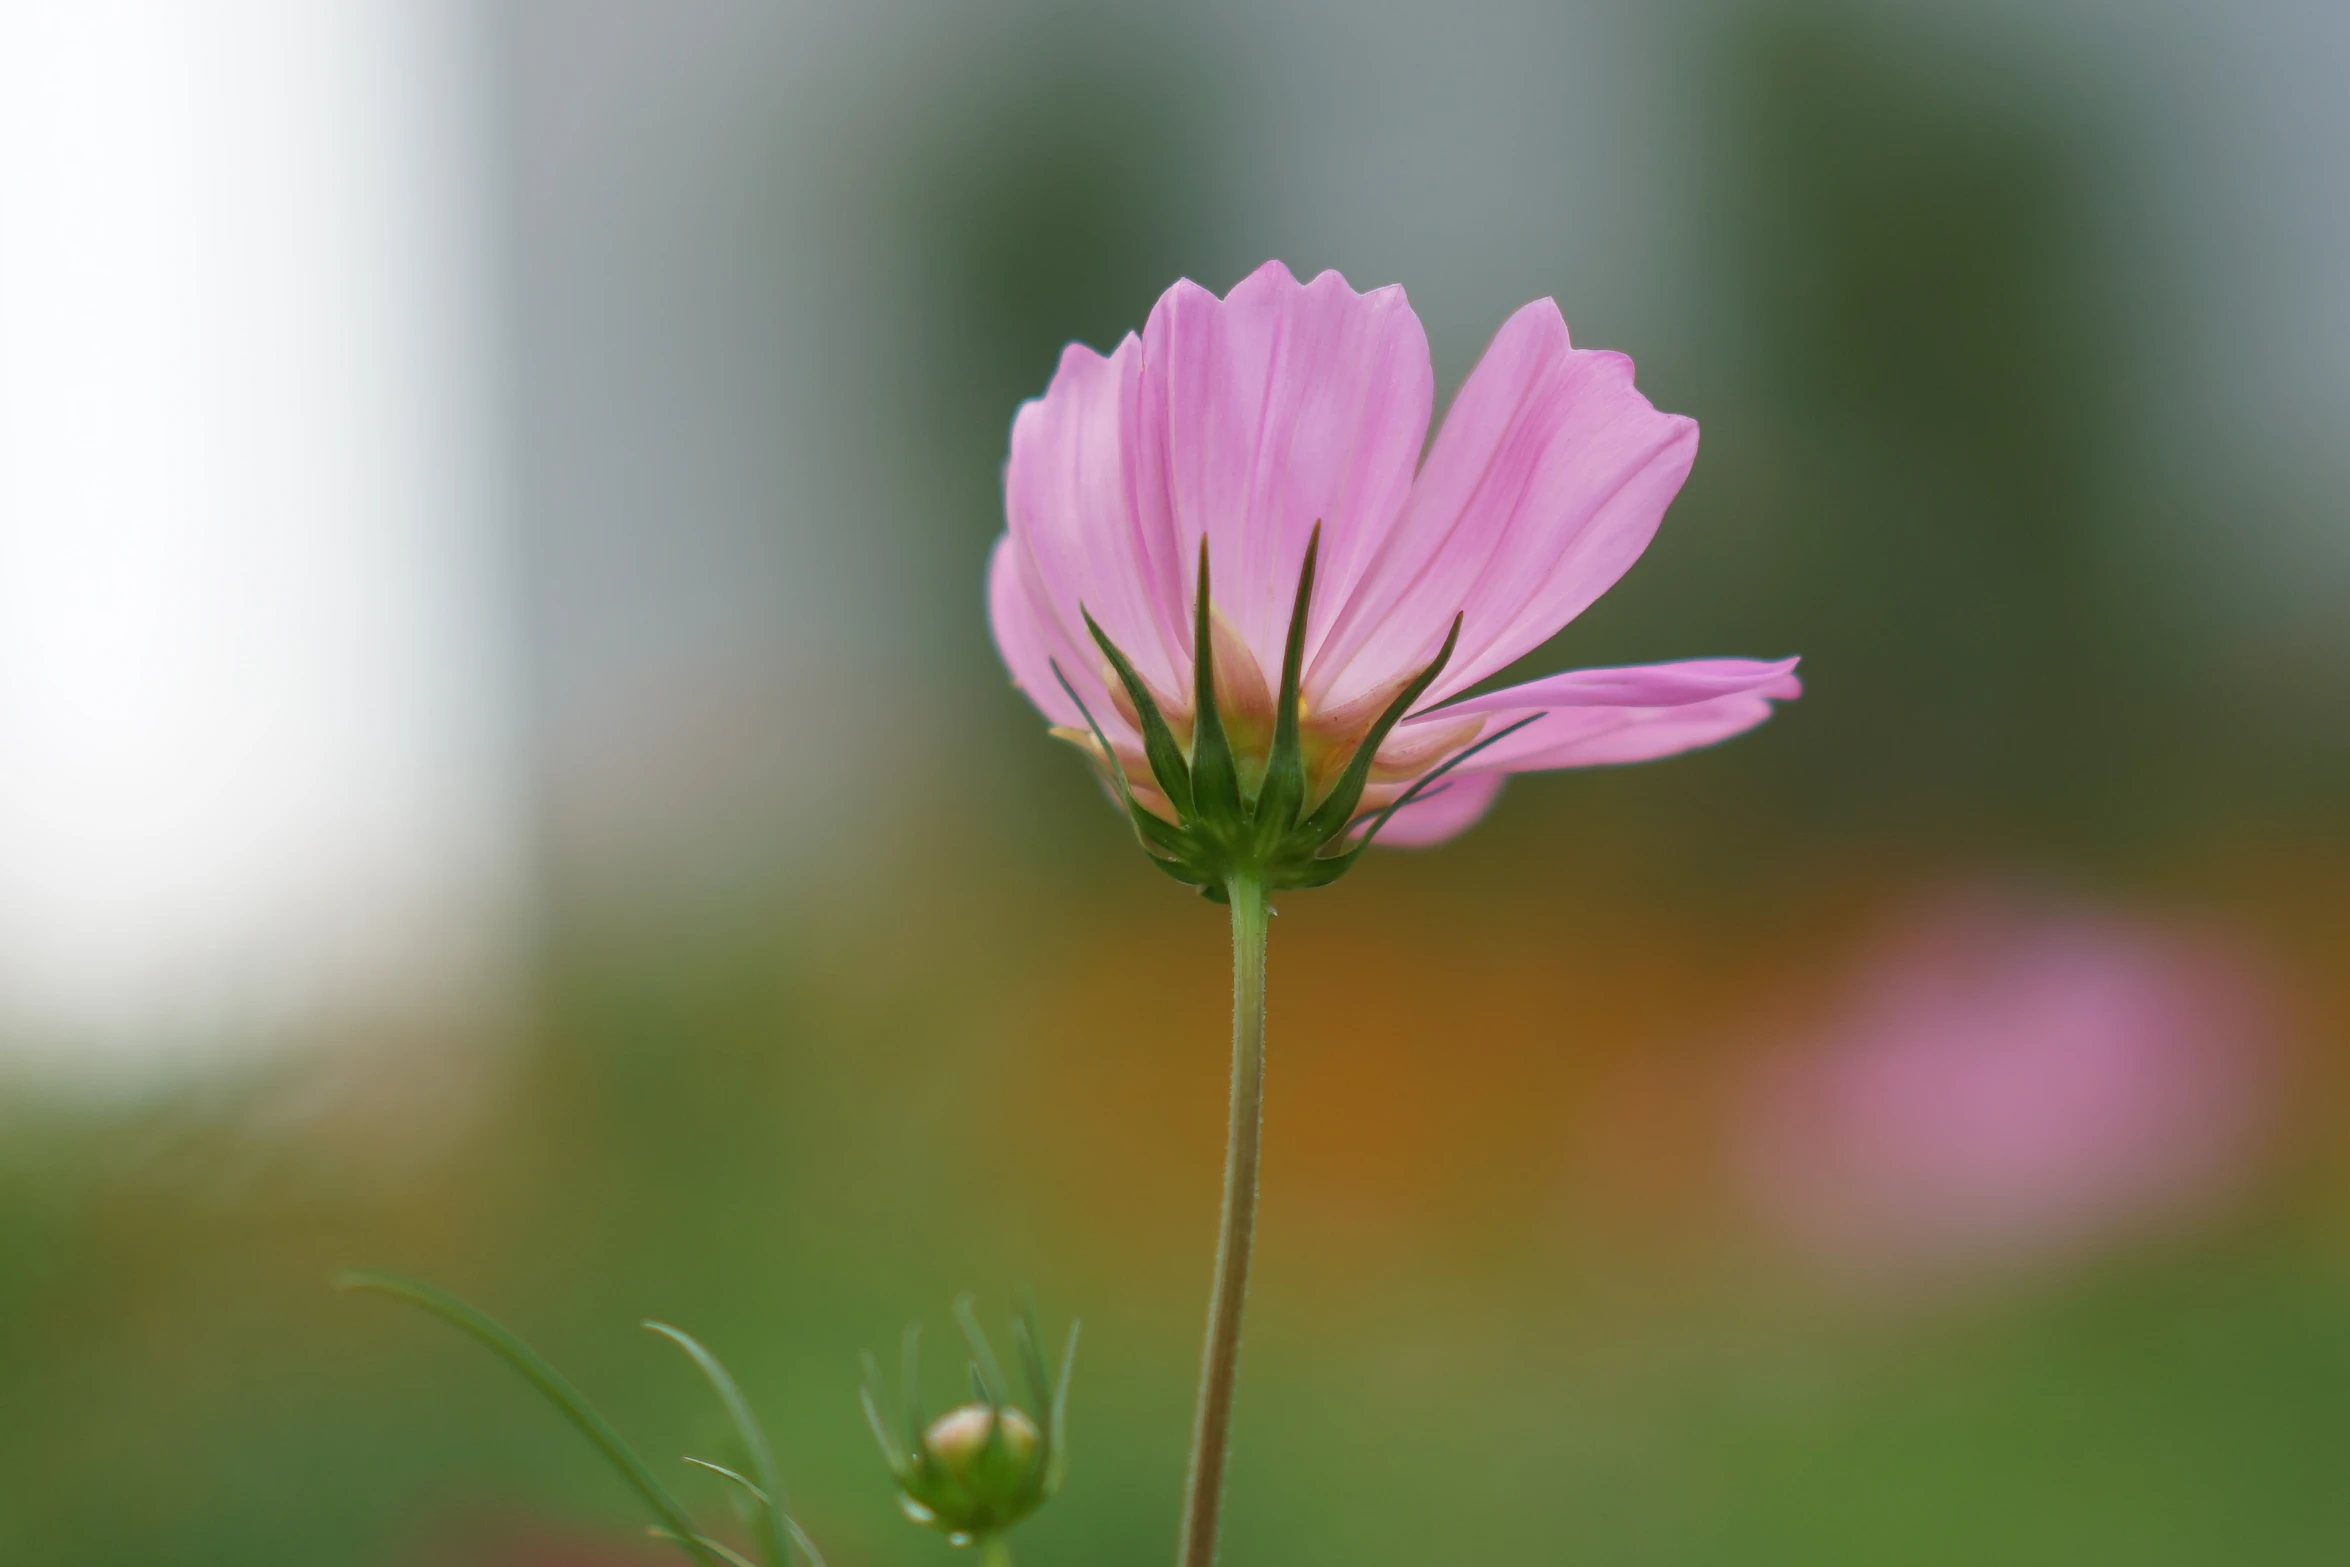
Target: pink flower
[[2007, 1086], [1275, 435]]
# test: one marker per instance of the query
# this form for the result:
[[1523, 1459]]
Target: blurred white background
[[257, 723]]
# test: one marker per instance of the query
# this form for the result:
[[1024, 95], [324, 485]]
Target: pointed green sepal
[[1159, 747], [1332, 816], [1032, 1366], [1420, 785], [1218, 833], [1187, 872], [1316, 870], [1159, 838], [1215, 779], [910, 1386], [1056, 1431], [1158, 835], [894, 1450], [1284, 793]]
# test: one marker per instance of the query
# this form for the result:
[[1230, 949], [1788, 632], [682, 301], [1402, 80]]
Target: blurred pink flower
[[2010, 1085], [1246, 421], [517, 1541]]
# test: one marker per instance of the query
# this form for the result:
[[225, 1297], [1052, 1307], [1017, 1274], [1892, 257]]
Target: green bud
[[983, 1466], [976, 1471]]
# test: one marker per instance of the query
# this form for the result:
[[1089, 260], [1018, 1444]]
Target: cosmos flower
[[2008, 1085], [1266, 446]]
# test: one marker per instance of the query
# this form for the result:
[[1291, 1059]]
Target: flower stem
[[1203, 1496], [995, 1550]]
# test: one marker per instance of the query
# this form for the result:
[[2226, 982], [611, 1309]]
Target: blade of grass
[[732, 1558], [748, 1486], [551, 1385], [799, 1537], [773, 1543]]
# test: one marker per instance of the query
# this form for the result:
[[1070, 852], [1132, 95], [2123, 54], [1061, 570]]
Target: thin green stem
[[995, 1551], [1203, 1496]]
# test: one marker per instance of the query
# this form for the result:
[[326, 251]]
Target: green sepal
[[1315, 870], [1158, 834], [1032, 1367], [1421, 783], [1186, 871], [1331, 817], [1215, 780], [1158, 741], [1220, 832], [894, 1452], [1056, 1431], [1048, 1392], [910, 1387], [1109, 756], [1155, 834], [1284, 792]]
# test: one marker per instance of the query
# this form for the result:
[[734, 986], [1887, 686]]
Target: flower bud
[[963, 1439], [983, 1466], [977, 1471]]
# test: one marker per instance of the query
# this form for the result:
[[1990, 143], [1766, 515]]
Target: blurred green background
[[840, 992]]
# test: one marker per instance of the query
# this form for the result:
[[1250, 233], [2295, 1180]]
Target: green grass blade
[[799, 1537], [702, 1542], [773, 1544], [744, 1482], [551, 1385]]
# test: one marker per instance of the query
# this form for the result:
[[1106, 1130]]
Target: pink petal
[[1450, 806], [1591, 717], [1029, 642], [1637, 685], [1278, 406], [1085, 537], [1548, 479]]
